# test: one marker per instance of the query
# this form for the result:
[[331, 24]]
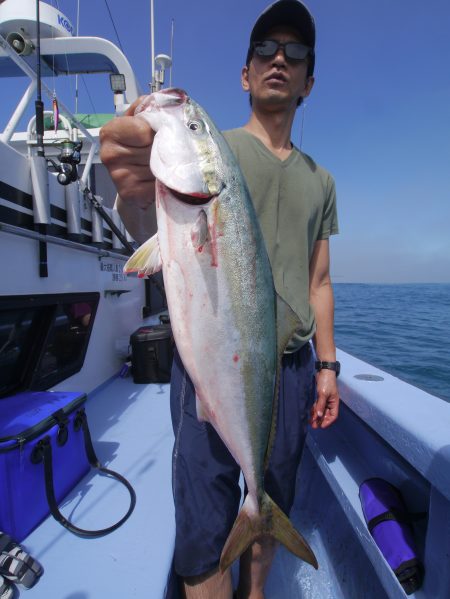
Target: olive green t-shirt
[[295, 200]]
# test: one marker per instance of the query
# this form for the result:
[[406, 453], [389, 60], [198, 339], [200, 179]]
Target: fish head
[[185, 156]]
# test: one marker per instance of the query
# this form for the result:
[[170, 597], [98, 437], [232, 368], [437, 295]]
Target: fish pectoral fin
[[146, 260], [199, 231], [269, 521], [201, 412]]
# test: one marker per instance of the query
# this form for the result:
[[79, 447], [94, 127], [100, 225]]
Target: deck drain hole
[[369, 377]]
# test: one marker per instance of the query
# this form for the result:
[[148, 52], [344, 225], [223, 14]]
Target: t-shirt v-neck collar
[[270, 155]]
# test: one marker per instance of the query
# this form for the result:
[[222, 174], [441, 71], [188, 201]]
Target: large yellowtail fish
[[221, 299]]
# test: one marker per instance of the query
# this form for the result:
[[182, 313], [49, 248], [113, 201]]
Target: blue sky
[[378, 117]]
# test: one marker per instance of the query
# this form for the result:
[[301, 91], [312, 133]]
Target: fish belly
[[232, 371]]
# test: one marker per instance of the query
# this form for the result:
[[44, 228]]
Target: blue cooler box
[[25, 419]]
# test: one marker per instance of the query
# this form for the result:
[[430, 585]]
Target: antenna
[[152, 36], [171, 52], [302, 124], [163, 62]]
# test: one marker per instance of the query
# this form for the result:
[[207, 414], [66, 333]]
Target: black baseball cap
[[290, 13]]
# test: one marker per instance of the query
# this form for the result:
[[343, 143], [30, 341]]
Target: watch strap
[[336, 366]]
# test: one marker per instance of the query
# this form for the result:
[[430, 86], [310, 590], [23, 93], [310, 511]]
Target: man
[[295, 202]]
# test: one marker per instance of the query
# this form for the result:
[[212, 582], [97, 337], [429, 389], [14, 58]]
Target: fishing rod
[[39, 105], [39, 108]]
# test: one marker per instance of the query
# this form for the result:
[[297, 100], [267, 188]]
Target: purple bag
[[45, 449], [389, 523], [25, 419]]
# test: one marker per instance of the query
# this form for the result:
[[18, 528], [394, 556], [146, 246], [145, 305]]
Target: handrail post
[[18, 113]]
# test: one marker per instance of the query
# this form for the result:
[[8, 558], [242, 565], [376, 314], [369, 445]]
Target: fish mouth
[[193, 199], [173, 96], [162, 99]]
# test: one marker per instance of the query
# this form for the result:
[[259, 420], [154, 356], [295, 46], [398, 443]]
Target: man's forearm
[[139, 222], [322, 301], [326, 407]]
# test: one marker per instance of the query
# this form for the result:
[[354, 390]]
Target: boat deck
[[132, 434]]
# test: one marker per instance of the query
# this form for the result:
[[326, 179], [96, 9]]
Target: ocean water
[[402, 329]]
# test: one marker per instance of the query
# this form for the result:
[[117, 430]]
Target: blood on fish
[[214, 259], [214, 234], [198, 194], [235, 358], [162, 193]]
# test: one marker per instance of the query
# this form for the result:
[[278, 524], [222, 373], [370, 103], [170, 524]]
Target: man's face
[[276, 82]]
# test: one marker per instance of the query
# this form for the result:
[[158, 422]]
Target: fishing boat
[[62, 250]]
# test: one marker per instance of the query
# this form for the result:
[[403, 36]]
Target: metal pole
[[152, 34], [32, 75], [21, 107], [87, 168], [171, 53]]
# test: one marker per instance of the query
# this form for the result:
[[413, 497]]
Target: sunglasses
[[292, 50]]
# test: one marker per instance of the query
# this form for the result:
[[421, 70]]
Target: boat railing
[[102, 56], [390, 429], [27, 98]]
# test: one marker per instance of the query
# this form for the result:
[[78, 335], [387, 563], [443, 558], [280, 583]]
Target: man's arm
[[125, 144], [325, 410]]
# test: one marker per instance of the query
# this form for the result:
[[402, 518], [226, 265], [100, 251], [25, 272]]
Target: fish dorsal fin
[[287, 323]]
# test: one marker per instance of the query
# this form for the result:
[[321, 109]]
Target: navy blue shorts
[[205, 477]]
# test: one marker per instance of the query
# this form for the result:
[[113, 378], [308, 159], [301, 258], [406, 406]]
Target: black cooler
[[152, 354]]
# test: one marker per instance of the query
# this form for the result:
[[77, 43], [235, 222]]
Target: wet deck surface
[[132, 434]]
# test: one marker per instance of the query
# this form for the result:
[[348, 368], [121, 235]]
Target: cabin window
[[43, 339]]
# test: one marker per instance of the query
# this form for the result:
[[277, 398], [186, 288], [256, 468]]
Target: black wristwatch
[[336, 366]]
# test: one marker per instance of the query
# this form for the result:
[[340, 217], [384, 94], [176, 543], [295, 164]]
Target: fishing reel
[[69, 158]]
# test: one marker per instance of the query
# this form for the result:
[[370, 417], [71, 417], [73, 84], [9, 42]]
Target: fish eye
[[195, 126]]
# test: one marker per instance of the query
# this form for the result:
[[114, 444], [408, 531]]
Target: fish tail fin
[[282, 530], [270, 520]]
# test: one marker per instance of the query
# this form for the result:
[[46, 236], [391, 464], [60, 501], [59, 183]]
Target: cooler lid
[[31, 411], [152, 333]]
